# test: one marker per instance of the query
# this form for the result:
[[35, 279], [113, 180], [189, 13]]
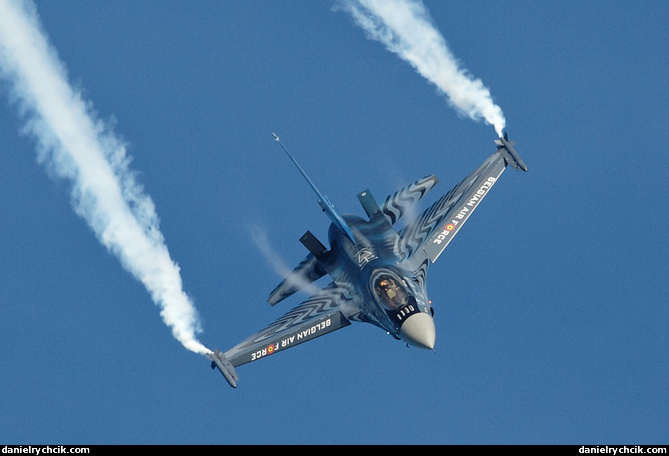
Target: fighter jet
[[378, 272]]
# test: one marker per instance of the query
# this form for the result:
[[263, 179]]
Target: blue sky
[[551, 304]]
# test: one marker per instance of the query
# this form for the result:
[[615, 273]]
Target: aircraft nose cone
[[419, 330]]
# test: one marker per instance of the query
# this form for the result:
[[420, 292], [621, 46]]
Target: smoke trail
[[77, 146], [405, 28]]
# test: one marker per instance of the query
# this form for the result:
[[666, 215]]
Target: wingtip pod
[[219, 360], [505, 147]]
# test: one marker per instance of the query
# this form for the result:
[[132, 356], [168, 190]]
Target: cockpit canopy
[[391, 290]]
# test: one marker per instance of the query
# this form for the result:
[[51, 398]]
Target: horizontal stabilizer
[[397, 204], [307, 272]]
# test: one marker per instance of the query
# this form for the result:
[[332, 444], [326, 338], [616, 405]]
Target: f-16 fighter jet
[[378, 273]]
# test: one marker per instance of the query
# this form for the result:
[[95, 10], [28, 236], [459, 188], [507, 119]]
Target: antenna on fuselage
[[323, 200]]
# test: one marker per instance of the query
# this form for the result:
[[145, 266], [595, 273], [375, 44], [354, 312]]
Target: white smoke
[[406, 29], [77, 146]]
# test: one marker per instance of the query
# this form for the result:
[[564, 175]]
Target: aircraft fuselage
[[389, 296]]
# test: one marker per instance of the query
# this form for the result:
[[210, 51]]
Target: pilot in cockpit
[[392, 294]]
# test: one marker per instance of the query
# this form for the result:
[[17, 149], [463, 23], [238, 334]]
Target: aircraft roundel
[[450, 227], [270, 349]]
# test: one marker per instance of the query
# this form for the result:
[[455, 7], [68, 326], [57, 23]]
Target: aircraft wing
[[317, 316], [431, 232]]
